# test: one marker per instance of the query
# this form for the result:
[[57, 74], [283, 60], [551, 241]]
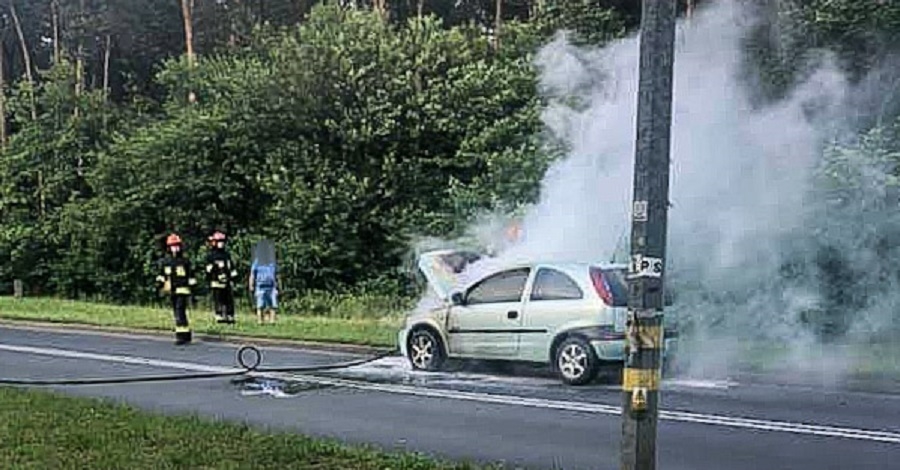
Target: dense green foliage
[[341, 133], [340, 139]]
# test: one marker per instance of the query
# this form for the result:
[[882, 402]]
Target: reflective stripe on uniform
[[183, 290], [217, 285], [182, 329], [192, 282]]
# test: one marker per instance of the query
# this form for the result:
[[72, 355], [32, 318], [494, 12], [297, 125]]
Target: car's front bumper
[[401, 341]]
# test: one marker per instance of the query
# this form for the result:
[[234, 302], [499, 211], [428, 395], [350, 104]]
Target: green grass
[[50, 430], [374, 330]]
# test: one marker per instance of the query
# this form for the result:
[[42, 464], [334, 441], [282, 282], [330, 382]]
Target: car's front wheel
[[425, 351], [576, 362]]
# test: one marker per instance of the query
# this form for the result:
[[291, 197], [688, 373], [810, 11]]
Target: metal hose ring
[[243, 363]]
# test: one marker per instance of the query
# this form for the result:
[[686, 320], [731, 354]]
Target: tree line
[[338, 129]]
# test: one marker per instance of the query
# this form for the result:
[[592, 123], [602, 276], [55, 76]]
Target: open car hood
[[443, 269]]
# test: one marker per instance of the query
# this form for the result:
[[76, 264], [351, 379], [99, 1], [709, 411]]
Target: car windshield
[[458, 261]]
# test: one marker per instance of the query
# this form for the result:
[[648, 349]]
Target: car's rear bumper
[[613, 350], [610, 344]]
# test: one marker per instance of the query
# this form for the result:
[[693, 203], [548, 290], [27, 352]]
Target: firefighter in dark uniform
[[176, 278], [221, 274]]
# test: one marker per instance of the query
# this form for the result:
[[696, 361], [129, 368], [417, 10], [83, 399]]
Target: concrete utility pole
[[642, 374]]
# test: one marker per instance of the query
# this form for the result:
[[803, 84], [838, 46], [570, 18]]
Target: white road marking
[[142, 361], [597, 408], [226, 342], [697, 383], [582, 407]]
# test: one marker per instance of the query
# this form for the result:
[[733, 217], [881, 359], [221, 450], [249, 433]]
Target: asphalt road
[[527, 421]]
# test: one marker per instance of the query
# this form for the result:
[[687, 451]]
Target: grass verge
[[49, 430], [369, 331]]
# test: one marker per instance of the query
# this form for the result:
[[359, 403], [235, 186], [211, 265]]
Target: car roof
[[443, 281], [568, 266], [573, 265]]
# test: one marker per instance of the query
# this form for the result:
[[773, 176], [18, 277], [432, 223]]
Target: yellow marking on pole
[[639, 399], [645, 337], [648, 379]]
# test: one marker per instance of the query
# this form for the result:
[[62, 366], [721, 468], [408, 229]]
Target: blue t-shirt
[[263, 275]]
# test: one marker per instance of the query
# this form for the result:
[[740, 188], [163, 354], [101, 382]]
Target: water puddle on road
[[498, 377], [256, 386], [461, 376]]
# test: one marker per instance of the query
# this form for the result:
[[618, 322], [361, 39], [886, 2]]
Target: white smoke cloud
[[739, 176]]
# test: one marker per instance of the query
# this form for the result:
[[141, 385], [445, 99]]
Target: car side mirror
[[457, 298]]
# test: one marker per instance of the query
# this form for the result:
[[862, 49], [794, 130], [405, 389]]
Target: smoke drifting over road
[[759, 255], [741, 188]]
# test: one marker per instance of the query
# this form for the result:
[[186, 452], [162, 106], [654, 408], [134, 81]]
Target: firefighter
[[176, 278], [221, 274]]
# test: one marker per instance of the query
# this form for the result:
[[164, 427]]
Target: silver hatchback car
[[569, 315]]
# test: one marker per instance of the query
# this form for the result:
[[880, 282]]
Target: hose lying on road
[[246, 369]]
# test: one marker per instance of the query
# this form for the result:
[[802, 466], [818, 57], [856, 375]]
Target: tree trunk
[[106, 91], [79, 58], [232, 22], [420, 7], [41, 201], [187, 7], [2, 96], [106, 68], [186, 10], [26, 57], [54, 8], [690, 9], [498, 13], [301, 7], [536, 9]]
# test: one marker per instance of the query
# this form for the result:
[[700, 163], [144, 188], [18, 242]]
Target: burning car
[[571, 316]]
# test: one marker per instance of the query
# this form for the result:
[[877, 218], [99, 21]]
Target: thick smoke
[[754, 250], [741, 179]]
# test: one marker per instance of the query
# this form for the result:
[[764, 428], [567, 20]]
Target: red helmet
[[173, 240], [218, 236]]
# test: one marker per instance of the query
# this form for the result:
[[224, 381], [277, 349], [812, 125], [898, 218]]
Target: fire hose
[[246, 368]]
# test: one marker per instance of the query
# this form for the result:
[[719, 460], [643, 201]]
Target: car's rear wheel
[[425, 350], [576, 362]]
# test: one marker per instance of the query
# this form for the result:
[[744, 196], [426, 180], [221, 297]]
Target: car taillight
[[601, 286]]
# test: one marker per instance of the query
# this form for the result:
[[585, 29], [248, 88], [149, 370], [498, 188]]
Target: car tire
[[575, 361], [425, 350]]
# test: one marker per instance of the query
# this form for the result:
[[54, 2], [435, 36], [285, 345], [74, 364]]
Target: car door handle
[[512, 314]]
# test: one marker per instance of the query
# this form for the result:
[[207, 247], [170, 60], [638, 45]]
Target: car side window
[[551, 284], [506, 286]]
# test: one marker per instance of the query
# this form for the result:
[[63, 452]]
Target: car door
[[486, 324], [554, 300]]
